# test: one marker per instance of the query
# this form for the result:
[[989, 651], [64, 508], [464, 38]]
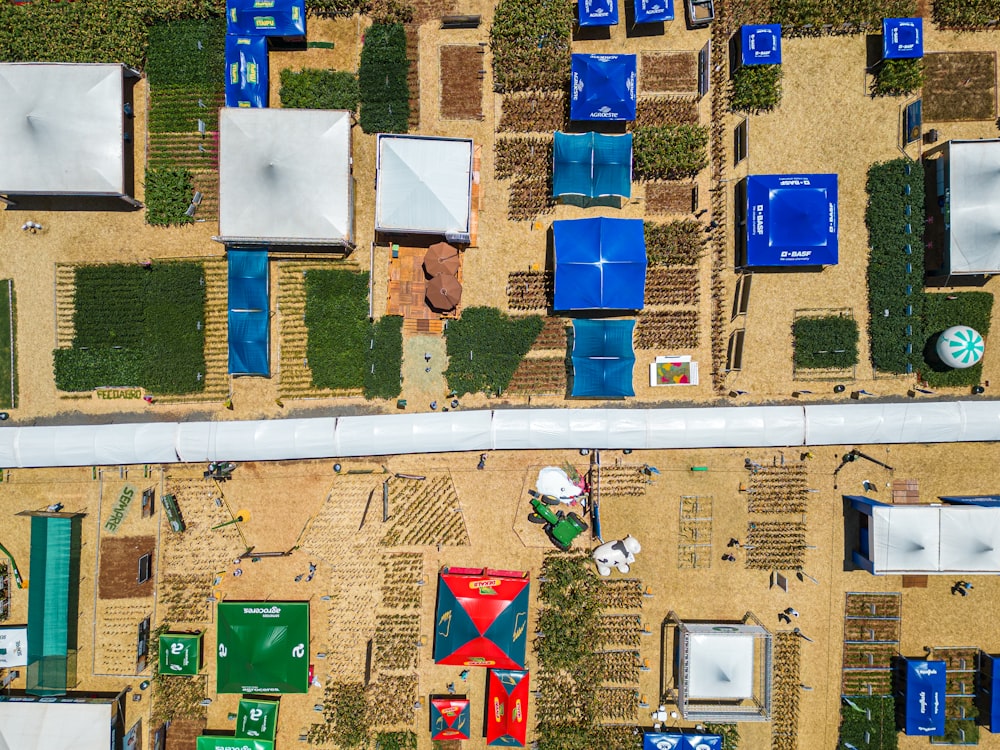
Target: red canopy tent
[[507, 708], [450, 719]]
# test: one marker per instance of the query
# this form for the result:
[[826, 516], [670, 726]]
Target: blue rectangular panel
[[267, 17], [791, 220], [654, 11], [598, 12], [246, 71], [925, 685], [603, 87], [761, 44]]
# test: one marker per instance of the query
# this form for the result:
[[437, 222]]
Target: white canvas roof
[[906, 540], [974, 184], [55, 726], [423, 185], [970, 539], [62, 129], [285, 176], [720, 666], [935, 539]]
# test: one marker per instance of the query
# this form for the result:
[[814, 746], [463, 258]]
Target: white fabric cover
[[61, 129], [55, 726], [423, 185], [970, 539], [720, 666], [974, 183], [413, 433], [285, 176], [905, 539], [915, 422]]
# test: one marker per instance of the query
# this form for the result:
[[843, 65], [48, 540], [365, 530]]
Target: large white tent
[[424, 185], [31, 725], [720, 666], [62, 129], [972, 202], [285, 177]]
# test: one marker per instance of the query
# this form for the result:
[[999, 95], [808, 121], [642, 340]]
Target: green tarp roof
[[257, 719], [263, 647], [223, 742], [180, 653]]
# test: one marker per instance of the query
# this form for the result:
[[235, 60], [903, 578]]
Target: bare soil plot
[[669, 329], [461, 81], [534, 112], [118, 575], [960, 86], [667, 72], [656, 111], [670, 197], [427, 10]]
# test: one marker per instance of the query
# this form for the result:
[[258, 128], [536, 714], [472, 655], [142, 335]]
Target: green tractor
[[561, 528]]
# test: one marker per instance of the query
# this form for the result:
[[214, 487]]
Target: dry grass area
[[668, 72], [960, 86], [670, 197], [534, 112], [462, 81]]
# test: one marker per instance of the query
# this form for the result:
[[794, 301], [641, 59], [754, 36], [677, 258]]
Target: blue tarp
[[652, 11], [791, 220], [925, 685], [902, 38], [603, 358], [592, 165], [987, 501], [246, 71], [598, 12], [988, 697], [603, 87], [678, 741], [600, 264], [249, 320], [267, 17], [760, 44]]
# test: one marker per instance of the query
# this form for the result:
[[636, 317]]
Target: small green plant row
[[755, 88], [829, 341], [670, 152], [898, 77], [383, 86]]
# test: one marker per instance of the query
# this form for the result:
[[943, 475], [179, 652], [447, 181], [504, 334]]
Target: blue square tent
[[602, 358], [654, 11], [285, 18], [246, 71], [598, 12], [902, 38], [592, 165], [603, 87], [249, 319], [680, 741], [791, 220], [600, 264], [924, 685], [760, 44]]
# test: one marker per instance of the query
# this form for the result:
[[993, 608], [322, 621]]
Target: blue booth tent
[[602, 358], [592, 165], [653, 11], [988, 697], [678, 741], [246, 71], [924, 708], [249, 320], [902, 38], [600, 264], [285, 18], [791, 220], [603, 87], [598, 12], [760, 44]]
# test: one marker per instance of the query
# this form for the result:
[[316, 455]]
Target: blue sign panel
[[598, 12], [678, 741], [925, 685], [902, 38], [246, 71], [914, 120], [653, 11], [791, 220], [267, 17], [603, 87], [760, 45]]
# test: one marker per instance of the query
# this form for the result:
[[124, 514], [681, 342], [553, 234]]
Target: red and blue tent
[[507, 708], [482, 618], [450, 719]]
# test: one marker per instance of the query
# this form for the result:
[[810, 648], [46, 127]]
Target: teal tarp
[[249, 319], [603, 358], [592, 165]]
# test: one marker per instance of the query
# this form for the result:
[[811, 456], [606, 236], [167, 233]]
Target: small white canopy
[[55, 726], [62, 129], [974, 184], [423, 185], [946, 539], [720, 666], [285, 176]]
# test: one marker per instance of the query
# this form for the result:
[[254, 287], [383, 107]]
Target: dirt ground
[[119, 567]]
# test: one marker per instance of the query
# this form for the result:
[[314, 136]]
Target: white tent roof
[[55, 726], [62, 129], [905, 541], [935, 539], [720, 666], [974, 185], [285, 176], [423, 185], [970, 539]]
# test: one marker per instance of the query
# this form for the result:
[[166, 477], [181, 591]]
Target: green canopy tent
[[263, 647], [180, 653], [227, 742], [257, 719]]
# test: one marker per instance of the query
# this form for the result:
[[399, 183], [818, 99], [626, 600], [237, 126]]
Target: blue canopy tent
[[603, 87], [249, 319], [988, 696], [285, 18], [602, 358], [924, 687], [760, 44], [598, 12], [592, 165], [246, 71], [679, 741], [791, 220], [902, 38], [600, 264], [654, 11]]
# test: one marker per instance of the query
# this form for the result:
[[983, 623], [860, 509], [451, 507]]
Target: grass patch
[[485, 347], [968, 308], [530, 44], [898, 77], [382, 80], [187, 53], [827, 342], [385, 358], [8, 352], [137, 327], [756, 88], [319, 89], [677, 243]]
